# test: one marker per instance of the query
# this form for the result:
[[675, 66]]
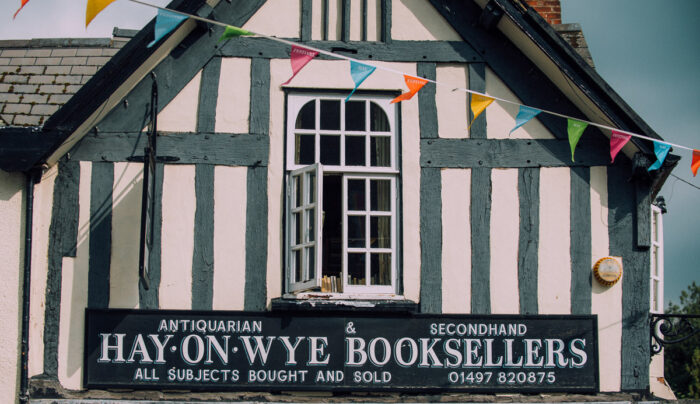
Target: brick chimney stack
[[550, 10]]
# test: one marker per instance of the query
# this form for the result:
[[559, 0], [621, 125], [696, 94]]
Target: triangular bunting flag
[[299, 58], [232, 32], [20, 7], [524, 115], [575, 130], [618, 140], [359, 73], [95, 7], [661, 150], [414, 85], [695, 164], [478, 105], [166, 21]]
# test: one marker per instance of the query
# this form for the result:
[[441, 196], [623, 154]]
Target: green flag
[[232, 32], [575, 129]]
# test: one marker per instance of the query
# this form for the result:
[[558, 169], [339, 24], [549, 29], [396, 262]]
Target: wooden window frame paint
[[656, 262]]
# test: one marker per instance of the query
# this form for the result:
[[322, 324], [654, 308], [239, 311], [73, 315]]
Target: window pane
[[330, 114], [354, 150], [378, 120], [380, 270], [380, 195], [296, 218], [380, 151], [330, 150], [311, 257], [356, 231], [304, 149], [355, 115], [356, 269], [296, 259], [307, 116], [356, 194], [380, 231], [311, 227], [311, 188], [296, 192]]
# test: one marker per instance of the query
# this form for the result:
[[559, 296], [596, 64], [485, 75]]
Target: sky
[[647, 50]]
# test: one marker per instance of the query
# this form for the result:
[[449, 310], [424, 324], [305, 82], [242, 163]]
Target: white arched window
[[342, 193]]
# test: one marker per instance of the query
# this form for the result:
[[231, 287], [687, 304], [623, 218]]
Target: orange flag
[[20, 7], [94, 7], [695, 164], [478, 105], [414, 85]]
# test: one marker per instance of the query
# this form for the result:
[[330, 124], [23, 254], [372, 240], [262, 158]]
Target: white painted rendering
[[278, 18], [335, 74], [41, 220], [177, 237], [233, 104], [500, 116], [180, 115], [126, 225], [374, 20], [606, 302], [505, 230], [334, 14], [12, 252], [355, 21], [74, 290], [417, 20], [657, 383], [554, 256], [230, 198], [452, 108], [456, 241], [316, 20]]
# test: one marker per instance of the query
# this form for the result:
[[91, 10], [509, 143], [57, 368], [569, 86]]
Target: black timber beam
[[22, 148]]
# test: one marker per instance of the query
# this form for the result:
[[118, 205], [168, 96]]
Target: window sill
[[335, 302]]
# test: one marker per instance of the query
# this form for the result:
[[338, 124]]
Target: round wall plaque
[[607, 271]]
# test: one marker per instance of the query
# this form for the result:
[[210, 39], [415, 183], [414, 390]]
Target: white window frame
[[656, 270], [295, 102]]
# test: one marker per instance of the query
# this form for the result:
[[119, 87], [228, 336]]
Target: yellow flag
[[94, 7], [479, 104]]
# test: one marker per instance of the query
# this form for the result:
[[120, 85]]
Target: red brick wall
[[550, 10]]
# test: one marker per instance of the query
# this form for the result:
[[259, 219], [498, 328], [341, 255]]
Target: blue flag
[[359, 73], [524, 115], [166, 21], [661, 150]]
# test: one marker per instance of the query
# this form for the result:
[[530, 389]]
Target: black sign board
[[280, 351]]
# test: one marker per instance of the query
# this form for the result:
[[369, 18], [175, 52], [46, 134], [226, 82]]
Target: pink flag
[[617, 141], [299, 58]]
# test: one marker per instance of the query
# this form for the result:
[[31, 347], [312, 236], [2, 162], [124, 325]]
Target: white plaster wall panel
[[41, 220], [177, 237], [126, 225], [374, 20], [452, 105], [229, 237], [316, 20], [456, 241], [500, 116], [417, 20], [606, 302], [277, 18], [355, 20], [335, 74], [233, 104], [505, 229], [11, 251], [180, 115], [554, 256], [335, 8], [74, 287]]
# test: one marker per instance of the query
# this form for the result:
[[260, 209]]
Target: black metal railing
[[668, 329]]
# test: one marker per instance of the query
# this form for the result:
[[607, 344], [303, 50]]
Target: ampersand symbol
[[350, 328]]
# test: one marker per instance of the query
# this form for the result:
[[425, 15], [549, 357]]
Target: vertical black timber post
[[430, 203], [203, 253], [622, 211], [345, 18], [364, 21], [149, 298], [324, 20], [102, 183], [581, 248], [529, 235], [386, 22], [480, 207], [643, 222], [306, 20], [63, 238]]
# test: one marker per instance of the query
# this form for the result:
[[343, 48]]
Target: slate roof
[[38, 76]]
